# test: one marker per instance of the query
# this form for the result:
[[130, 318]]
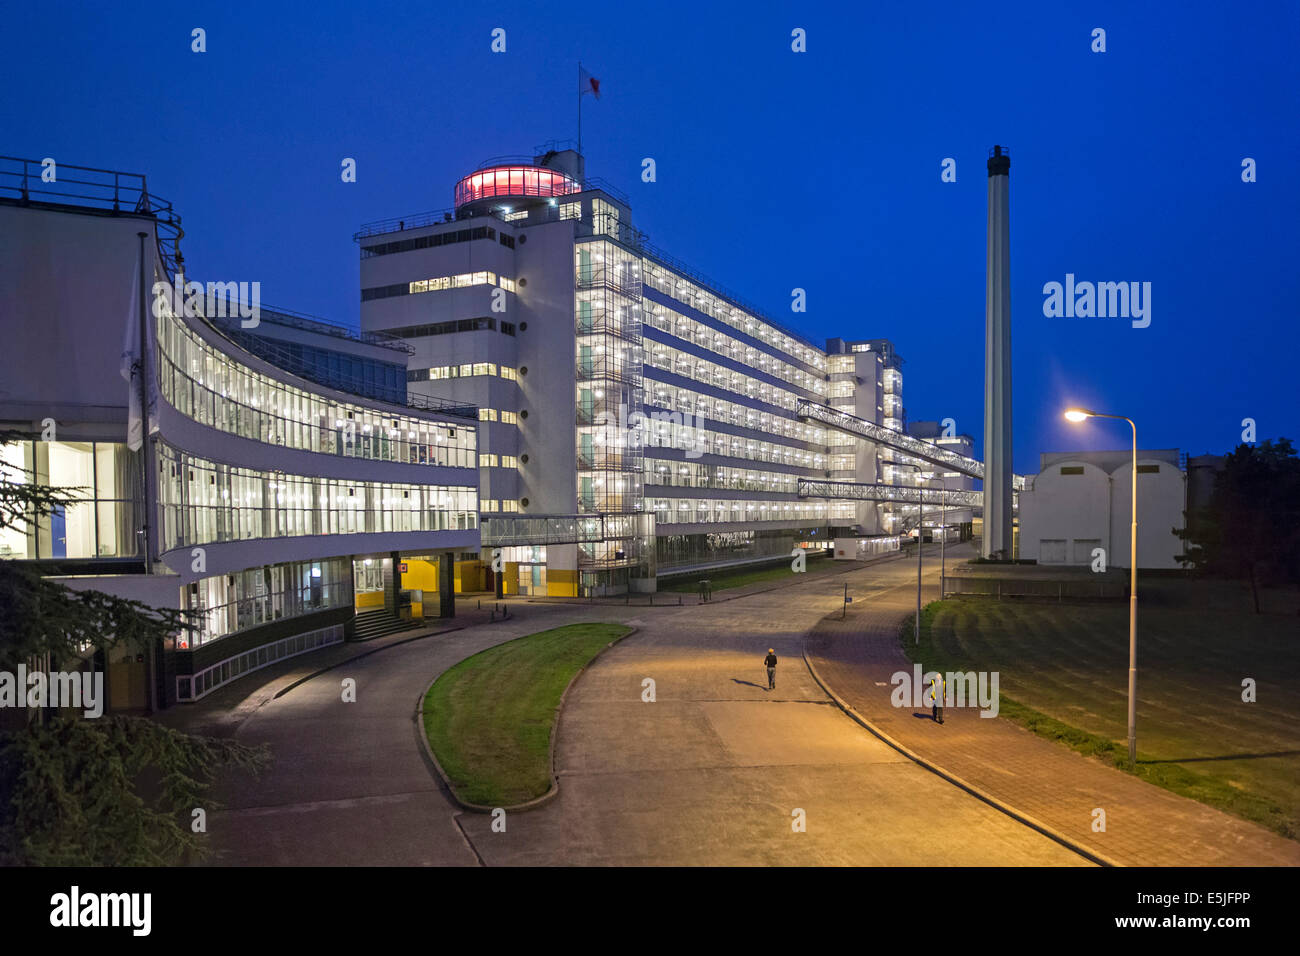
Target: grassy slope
[[1063, 673], [490, 718]]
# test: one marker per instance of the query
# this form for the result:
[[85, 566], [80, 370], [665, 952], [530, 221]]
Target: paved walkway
[[711, 773], [1145, 825]]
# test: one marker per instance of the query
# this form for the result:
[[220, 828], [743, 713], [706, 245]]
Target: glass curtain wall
[[213, 388], [205, 502]]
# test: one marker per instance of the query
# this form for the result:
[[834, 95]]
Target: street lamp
[[1079, 415], [920, 515], [943, 531]]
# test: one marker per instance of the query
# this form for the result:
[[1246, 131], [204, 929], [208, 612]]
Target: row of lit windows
[[492, 460], [688, 366], [609, 441], [674, 323], [471, 369], [709, 511], [683, 290], [203, 501], [462, 281], [695, 475], [505, 505], [690, 402], [495, 415], [514, 181], [214, 389]]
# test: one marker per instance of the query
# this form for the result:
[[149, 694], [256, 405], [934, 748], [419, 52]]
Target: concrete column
[[447, 584], [997, 363], [393, 582]]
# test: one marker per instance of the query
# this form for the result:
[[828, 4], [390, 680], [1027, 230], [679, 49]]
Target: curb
[[974, 791], [550, 794]]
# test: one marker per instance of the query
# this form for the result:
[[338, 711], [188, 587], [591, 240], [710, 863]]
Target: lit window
[[486, 460], [509, 461], [509, 373], [487, 414], [509, 418]]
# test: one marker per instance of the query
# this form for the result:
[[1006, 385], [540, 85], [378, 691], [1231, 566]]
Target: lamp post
[[943, 531], [1079, 415], [920, 515]]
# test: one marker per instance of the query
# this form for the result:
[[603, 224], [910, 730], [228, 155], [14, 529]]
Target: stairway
[[368, 625]]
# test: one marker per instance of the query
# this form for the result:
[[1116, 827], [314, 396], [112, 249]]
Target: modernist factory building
[[539, 401], [613, 380], [258, 499]]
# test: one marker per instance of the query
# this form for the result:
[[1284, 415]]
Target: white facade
[[253, 488], [616, 381], [1080, 502]]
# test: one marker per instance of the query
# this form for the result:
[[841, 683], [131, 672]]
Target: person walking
[[936, 697], [770, 663]]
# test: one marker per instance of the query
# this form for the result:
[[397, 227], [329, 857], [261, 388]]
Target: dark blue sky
[[818, 170]]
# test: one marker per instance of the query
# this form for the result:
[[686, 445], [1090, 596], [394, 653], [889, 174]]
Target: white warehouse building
[[1080, 501]]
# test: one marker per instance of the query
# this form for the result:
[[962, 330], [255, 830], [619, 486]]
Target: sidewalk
[[1045, 781]]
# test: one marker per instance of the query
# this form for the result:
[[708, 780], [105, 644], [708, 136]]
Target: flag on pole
[[132, 369], [588, 83], [132, 351]]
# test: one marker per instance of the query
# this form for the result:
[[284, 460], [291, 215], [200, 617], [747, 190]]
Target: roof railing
[[111, 190], [314, 323]]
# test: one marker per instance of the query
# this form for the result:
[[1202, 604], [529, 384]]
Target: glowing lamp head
[[1077, 414]]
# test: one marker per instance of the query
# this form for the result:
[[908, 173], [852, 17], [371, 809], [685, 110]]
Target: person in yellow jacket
[[935, 693]]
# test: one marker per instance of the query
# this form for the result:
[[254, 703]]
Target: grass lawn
[[490, 718], [741, 577], [1063, 671]]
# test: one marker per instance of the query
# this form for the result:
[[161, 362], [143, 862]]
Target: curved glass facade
[[203, 502], [522, 180], [214, 389]]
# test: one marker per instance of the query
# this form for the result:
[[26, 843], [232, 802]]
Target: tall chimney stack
[[997, 363]]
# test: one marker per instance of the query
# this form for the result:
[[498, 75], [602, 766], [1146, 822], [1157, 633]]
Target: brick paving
[[1046, 781]]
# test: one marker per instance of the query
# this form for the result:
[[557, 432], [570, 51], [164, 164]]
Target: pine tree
[[110, 791]]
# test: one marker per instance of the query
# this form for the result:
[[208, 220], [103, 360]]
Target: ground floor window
[[103, 477], [228, 603]]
